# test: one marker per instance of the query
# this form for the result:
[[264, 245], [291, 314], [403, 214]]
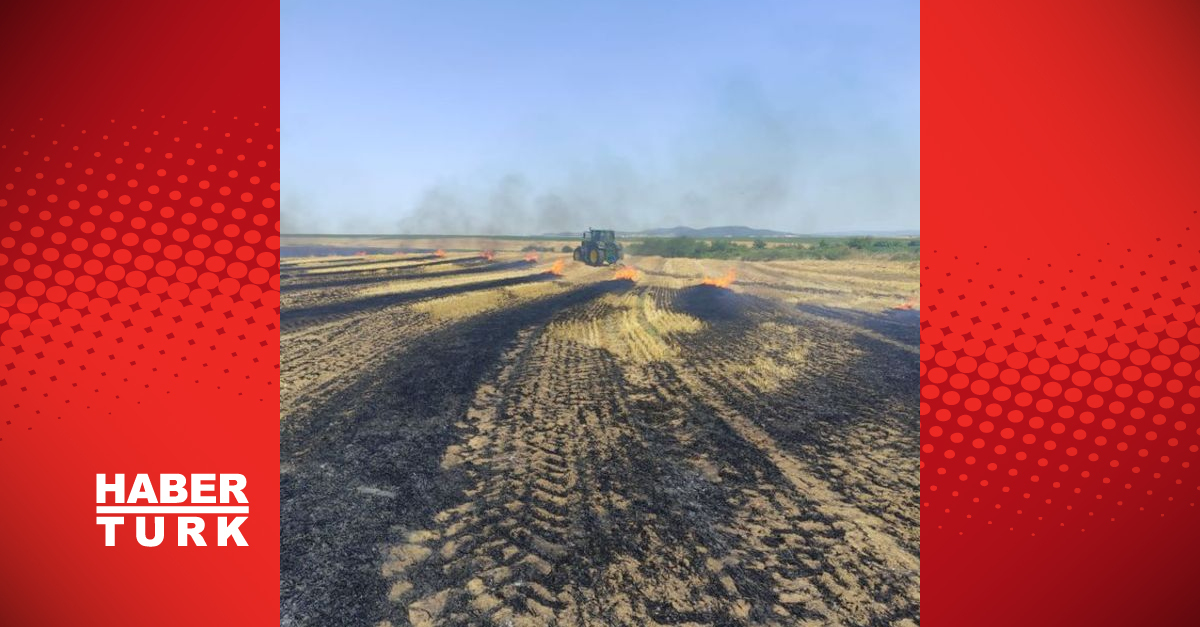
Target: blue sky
[[537, 116]]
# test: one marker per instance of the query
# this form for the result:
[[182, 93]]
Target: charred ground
[[504, 445]]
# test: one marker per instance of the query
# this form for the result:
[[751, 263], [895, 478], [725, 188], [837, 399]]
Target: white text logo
[[185, 498]]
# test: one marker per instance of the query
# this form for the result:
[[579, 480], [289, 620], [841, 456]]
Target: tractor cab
[[597, 235]]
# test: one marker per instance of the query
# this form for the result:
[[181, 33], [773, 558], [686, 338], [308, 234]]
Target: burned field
[[512, 441]]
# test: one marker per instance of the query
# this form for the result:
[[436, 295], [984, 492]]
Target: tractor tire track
[[365, 460], [609, 493]]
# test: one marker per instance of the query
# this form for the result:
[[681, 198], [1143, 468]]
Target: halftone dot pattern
[[1059, 397], [127, 273]]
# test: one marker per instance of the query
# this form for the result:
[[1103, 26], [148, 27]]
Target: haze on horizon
[[488, 118]]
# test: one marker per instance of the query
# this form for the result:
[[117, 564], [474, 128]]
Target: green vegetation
[[894, 248]]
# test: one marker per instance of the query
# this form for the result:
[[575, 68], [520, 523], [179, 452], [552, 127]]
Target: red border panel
[[139, 169], [1060, 291]]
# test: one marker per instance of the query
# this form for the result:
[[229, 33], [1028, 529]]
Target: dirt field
[[483, 442]]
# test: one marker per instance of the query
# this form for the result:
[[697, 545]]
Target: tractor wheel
[[578, 254], [594, 257]]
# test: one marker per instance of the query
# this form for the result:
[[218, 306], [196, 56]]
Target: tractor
[[599, 248]]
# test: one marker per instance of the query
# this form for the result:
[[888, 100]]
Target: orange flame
[[556, 268], [487, 254], [627, 272], [907, 305], [531, 257], [439, 253], [724, 281]]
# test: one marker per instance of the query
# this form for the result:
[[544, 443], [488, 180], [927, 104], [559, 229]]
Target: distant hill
[[898, 233], [740, 232], [714, 231], [687, 231]]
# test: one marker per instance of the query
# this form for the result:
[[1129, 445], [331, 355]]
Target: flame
[[531, 257], [724, 281], [439, 253], [488, 254], [907, 305], [627, 272], [556, 269]]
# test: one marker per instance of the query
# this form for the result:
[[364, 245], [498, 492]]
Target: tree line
[[896, 248]]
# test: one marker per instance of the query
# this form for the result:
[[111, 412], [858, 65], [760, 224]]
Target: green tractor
[[599, 248]]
